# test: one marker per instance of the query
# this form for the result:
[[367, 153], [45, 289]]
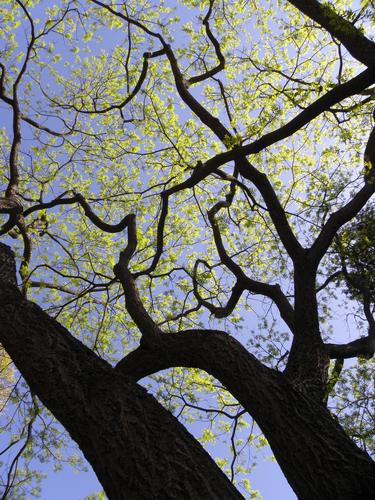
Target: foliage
[[352, 401], [356, 249]]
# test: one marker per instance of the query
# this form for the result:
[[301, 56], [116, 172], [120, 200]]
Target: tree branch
[[130, 97], [218, 312], [350, 210], [79, 198], [193, 348], [215, 43], [364, 346], [91, 399], [149, 329], [258, 287], [340, 92], [360, 47], [276, 211], [159, 239]]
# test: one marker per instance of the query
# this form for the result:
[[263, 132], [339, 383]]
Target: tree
[[232, 156]]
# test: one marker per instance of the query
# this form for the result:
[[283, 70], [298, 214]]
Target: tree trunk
[[137, 448], [317, 457]]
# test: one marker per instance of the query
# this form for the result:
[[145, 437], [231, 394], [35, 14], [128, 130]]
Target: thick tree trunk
[[308, 360], [137, 448], [316, 456]]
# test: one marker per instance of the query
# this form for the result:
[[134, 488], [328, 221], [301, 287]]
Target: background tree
[[232, 141]]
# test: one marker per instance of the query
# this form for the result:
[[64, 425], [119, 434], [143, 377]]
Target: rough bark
[[137, 448], [308, 362], [316, 456]]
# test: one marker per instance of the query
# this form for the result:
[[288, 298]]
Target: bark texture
[[316, 456], [137, 448]]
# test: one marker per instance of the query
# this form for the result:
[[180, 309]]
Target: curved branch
[[27, 119], [213, 123], [130, 97], [159, 239], [276, 211], [48, 130], [28, 50], [329, 280], [218, 312], [215, 43], [130, 20], [13, 207], [79, 198], [12, 188], [339, 93], [193, 348], [149, 329], [108, 228], [258, 287], [350, 210], [364, 346]]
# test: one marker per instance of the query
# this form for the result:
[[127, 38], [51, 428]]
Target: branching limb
[[213, 123], [15, 217], [27, 119], [159, 238], [48, 130], [13, 207], [108, 228], [276, 211], [149, 329], [350, 210], [181, 84], [194, 348], [334, 96], [364, 346], [130, 20], [250, 196], [218, 312], [12, 471], [360, 47], [322, 104], [79, 198], [329, 280], [215, 43], [130, 97], [272, 291], [12, 189]]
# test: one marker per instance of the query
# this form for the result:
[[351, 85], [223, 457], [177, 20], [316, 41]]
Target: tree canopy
[[185, 189]]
